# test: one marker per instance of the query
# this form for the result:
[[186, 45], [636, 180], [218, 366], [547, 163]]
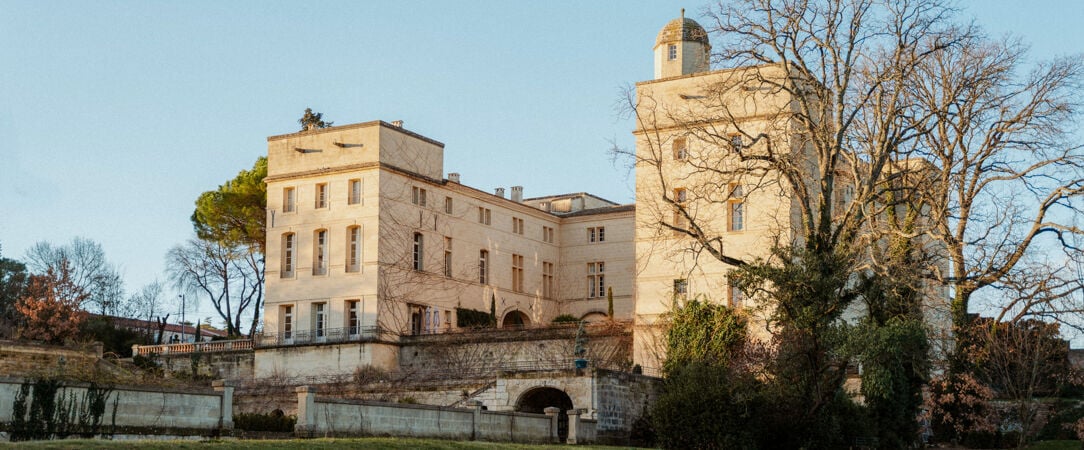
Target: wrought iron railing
[[318, 336]]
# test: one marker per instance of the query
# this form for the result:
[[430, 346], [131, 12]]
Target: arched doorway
[[515, 319], [538, 399]]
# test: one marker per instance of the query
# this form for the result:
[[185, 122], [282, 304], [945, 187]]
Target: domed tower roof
[[682, 29], [681, 48]]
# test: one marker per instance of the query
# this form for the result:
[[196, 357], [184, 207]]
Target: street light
[[182, 316]]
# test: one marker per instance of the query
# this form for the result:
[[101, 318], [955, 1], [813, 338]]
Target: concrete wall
[[326, 417], [147, 410]]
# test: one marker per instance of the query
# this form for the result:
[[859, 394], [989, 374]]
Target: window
[[353, 249], [680, 152], [681, 288], [596, 234], [736, 208], [596, 279], [547, 234], [319, 319], [547, 279], [321, 195], [287, 322], [736, 141], [319, 252], [352, 322], [288, 250], [483, 266], [419, 250], [735, 298], [671, 52], [517, 225], [289, 199], [517, 273], [680, 195], [447, 205], [353, 197], [417, 196], [484, 214], [447, 256]]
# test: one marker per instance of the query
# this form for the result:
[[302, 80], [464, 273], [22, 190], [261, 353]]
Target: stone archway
[[515, 319], [536, 400]]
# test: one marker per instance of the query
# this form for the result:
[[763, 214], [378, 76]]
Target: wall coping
[[120, 387], [423, 407]]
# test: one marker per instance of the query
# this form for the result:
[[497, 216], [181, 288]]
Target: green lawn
[[1055, 445], [313, 444]]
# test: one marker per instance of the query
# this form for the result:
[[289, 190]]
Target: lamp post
[[182, 317]]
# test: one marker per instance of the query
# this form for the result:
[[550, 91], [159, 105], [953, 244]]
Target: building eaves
[[603, 210], [357, 125]]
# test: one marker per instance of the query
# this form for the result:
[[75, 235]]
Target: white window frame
[[321, 200], [289, 255], [596, 234], [319, 252], [596, 279], [354, 191], [289, 199], [353, 248], [419, 252], [418, 196]]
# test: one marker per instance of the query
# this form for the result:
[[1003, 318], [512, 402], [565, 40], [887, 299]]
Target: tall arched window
[[419, 250], [319, 252], [289, 250], [353, 249]]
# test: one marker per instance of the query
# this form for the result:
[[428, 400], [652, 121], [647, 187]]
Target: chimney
[[517, 194], [499, 192], [397, 123], [453, 177]]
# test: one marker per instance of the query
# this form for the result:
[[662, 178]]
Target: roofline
[[598, 211], [574, 194], [355, 126], [710, 72]]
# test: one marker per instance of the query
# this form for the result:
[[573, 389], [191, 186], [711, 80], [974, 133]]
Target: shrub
[[472, 318], [565, 318], [707, 406], [274, 421]]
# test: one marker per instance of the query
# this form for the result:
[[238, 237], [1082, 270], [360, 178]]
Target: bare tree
[[144, 305], [1021, 360], [1011, 176], [89, 270], [806, 118], [218, 272]]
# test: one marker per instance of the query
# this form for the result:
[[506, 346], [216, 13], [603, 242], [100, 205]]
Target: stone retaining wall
[[146, 411]]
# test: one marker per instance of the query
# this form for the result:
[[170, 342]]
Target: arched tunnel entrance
[[515, 319], [538, 399]]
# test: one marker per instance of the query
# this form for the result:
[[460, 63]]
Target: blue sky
[[115, 115]]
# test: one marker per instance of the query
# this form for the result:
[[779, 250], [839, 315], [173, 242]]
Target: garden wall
[[145, 411], [327, 417]]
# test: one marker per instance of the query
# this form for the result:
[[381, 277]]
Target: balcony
[[321, 336]]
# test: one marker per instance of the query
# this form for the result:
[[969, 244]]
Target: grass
[[1055, 445], [313, 444]]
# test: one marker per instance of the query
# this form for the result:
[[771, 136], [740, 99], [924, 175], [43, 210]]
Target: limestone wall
[[622, 399], [328, 417], [146, 410], [233, 365]]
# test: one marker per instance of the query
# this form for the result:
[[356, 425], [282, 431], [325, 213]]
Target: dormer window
[[671, 52]]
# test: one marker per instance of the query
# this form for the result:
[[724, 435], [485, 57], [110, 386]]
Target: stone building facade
[[368, 240]]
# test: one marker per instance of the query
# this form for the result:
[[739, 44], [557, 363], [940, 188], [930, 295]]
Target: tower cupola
[[682, 48]]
